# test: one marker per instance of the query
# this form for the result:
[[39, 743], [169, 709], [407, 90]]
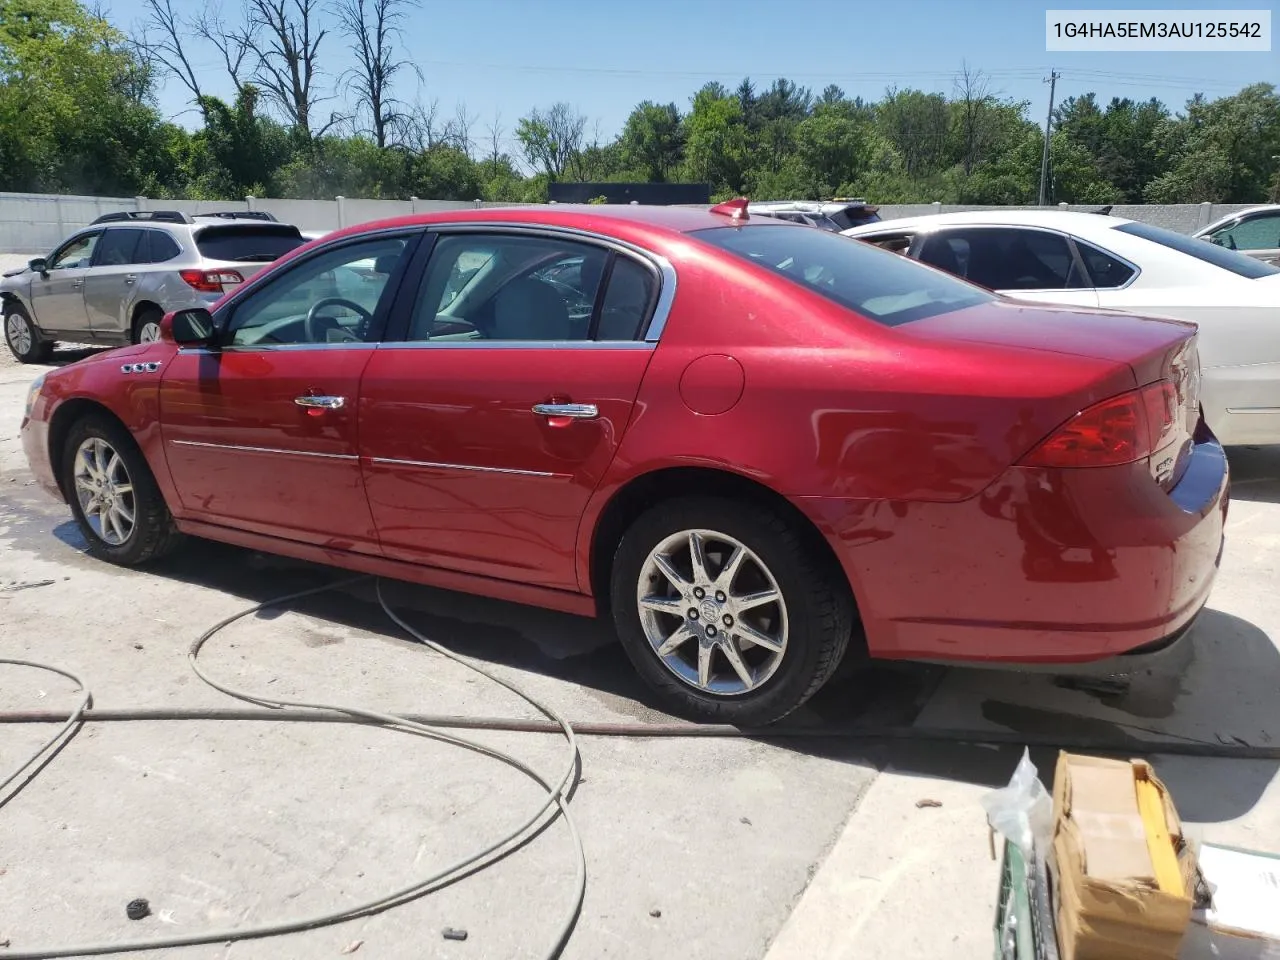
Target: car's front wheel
[[25, 341], [113, 494], [727, 611]]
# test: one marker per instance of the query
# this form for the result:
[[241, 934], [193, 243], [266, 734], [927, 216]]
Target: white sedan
[[1093, 260]]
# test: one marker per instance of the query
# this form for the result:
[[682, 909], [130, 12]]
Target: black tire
[[39, 350], [144, 317], [153, 533], [820, 611]]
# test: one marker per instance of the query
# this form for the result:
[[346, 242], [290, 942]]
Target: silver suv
[[112, 281]]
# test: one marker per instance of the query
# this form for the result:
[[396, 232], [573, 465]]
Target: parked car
[[834, 215], [112, 281], [1255, 232], [762, 447], [1088, 260]]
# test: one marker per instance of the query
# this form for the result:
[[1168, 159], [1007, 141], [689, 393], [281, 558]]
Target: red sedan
[[758, 447]]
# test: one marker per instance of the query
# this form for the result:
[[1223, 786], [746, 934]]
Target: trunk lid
[[1157, 351]]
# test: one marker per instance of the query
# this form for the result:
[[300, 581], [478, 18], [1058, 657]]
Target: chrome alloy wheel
[[712, 612], [105, 491], [18, 333], [149, 333]]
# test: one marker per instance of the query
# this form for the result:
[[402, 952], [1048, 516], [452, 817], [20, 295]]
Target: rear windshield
[[248, 243], [1238, 263], [854, 217], [882, 286]]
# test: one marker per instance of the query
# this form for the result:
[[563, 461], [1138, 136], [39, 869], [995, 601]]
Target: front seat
[[938, 252], [529, 309]]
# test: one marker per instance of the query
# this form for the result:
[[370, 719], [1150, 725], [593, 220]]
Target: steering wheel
[[311, 325]]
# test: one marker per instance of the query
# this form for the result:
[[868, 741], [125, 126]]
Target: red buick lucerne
[[756, 446]]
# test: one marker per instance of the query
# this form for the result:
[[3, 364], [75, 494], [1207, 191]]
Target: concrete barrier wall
[[32, 222]]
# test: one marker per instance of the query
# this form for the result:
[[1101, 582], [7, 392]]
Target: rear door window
[[1006, 258], [1106, 271], [248, 243], [628, 300], [118, 247], [879, 285]]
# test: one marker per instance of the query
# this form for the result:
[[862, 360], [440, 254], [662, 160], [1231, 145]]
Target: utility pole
[[1044, 160]]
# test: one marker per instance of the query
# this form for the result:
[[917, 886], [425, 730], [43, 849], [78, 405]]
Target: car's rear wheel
[[24, 338], [727, 611], [146, 327], [113, 494]]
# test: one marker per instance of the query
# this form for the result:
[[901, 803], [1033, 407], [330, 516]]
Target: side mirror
[[188, 328], [38, 265]]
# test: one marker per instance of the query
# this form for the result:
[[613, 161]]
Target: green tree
[[247, 148], [1221, 150], [74, 102], [652, 139], [552, 138], [716, 150]]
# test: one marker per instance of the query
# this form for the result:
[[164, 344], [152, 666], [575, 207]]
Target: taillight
[[209, 281], [1119, 430]]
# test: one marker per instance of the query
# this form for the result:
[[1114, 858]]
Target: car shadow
[[1255, 473], [1224, 696]]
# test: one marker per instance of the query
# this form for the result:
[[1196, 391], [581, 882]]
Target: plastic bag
[[1022, 812]]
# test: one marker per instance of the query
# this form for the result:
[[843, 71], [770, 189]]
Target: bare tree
[[495, 132], [162, 39], [973, 97], [165, 35], [286, 49], [234, 44], [372, 27], [422, 126], [458, 130]]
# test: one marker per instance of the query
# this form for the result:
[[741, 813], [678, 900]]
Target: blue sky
[[604, 56]]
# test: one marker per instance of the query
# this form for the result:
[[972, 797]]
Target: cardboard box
[[1123, 882], [1243, 921]]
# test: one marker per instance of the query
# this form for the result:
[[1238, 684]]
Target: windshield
[[882, 286], [1238, 263], [248, 243]]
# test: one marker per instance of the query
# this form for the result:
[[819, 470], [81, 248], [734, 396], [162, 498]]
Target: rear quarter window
[[248, 243], [881, 286]]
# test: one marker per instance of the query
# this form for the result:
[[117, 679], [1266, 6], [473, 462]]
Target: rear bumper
[[1043, 567]]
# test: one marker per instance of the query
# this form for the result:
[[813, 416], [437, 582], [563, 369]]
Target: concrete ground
[[696, 848]]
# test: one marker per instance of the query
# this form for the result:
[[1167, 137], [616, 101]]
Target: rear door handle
[[320, 403], [574, 411], [130, 278]]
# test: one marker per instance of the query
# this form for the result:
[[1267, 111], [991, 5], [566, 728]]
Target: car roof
[[624, 220], [1065, 220]]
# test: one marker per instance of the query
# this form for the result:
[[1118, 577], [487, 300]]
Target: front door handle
[[320, 403], [573, 411], [77, 283]]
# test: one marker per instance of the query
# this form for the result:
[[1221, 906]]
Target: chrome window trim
[[1071, 239], [432, 465], [270, 450], [277, 347], [667, 272], [517, 345]]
